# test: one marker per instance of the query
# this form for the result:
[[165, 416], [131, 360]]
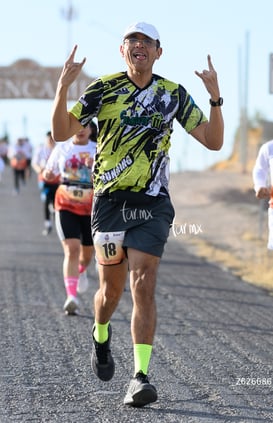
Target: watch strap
[[217, 103]]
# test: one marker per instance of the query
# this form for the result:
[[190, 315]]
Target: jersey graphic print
[[74, 165], [76, 172], [75, 193], [135, 126]]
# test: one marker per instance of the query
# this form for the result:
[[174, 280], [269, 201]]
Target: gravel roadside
[[223, 222]]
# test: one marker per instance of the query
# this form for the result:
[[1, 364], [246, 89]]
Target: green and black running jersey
[[135, 127]]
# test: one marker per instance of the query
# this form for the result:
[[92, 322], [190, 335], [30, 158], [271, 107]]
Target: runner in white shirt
[[262, 178], [73, 161]]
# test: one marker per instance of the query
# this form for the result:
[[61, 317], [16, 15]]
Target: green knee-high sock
[[101, 332], [142, 356]]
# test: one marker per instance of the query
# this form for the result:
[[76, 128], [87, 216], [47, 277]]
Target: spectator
[[18, 161], [47, 188], [28, 152], [262, 178]]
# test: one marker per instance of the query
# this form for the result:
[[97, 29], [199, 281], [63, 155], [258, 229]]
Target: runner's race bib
[[108, 247]]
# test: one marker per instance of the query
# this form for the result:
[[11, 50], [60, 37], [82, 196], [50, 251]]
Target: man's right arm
[[63, 124]]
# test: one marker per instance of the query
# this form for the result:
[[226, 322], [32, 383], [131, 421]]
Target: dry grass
[[254, 267], [223, 200]]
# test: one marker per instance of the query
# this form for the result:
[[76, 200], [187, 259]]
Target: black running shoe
[[140, 391], [101, 359]]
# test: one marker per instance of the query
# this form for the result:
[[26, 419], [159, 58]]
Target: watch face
[[220, 101]]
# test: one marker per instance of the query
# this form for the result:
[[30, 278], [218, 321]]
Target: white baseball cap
[[143, 28]]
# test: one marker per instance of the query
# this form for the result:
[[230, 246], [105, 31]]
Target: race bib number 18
[[108, 247]]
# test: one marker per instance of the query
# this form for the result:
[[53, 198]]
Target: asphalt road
[[212, 360]]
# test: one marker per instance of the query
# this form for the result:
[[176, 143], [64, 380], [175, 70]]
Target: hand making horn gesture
[[71, 69], [209, 77]]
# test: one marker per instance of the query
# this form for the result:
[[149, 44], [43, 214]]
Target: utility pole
[[69, 14], [271, 73], [243, 82]]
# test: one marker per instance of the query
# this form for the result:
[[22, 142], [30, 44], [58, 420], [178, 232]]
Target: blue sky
[[188, 30]]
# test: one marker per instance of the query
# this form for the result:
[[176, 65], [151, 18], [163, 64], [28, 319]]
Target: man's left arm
[[211, 133]]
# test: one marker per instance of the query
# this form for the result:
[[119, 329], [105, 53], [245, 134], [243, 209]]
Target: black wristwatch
[[219, 102]]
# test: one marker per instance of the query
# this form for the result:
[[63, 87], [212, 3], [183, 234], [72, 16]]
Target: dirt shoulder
[[219, 218]]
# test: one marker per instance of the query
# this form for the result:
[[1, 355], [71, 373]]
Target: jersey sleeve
[[89, 103], [189, 115]]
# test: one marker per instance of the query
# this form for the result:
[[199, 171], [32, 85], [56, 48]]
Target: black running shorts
[[70, 225], [146, 220]]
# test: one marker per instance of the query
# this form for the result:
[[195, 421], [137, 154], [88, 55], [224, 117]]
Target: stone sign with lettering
[[27, 79]]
